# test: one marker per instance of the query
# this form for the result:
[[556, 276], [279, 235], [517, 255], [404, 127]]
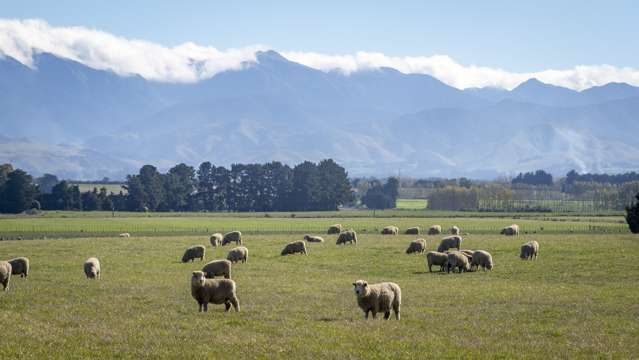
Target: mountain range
[[63, 117]]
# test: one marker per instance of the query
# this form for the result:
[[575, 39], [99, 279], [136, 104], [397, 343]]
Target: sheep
[[294, 247], [436, 258], [5, 274], [380, 297], [435, 230], [457, 260], [233, 236], [482, 258], [347, 236], [20, 266], [216, 239], [529, 250], [334, 229], [124, 235], [412, 231], [92, 268], [454, 230], [390, 230], [510, 230], [416, 246], [216, 268], [449, 242], [239, 253], [214, 291], [316, 239], [194, 252], [468, 254]]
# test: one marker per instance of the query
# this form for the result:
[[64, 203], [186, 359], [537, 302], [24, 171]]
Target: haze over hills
[[82, 123]]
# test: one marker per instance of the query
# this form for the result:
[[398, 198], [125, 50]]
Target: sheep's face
[[489, 266], [360, 288], [198, 278]]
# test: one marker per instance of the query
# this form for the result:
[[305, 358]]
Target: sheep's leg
[[206, 307], [396, 309], [236, 303], [386, 315], [199, 306], [430, 268], [227, 305], [374, 313]]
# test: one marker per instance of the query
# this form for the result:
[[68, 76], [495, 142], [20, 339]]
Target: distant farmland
[[111, 188]]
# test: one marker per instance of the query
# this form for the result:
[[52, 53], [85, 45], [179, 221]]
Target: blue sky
[[510, 35]]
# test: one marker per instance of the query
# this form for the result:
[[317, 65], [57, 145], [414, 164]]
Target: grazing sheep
[[124, 235], [380, 297], [390, 230], [457, 260], [454, 230], [449, 242], [217, 268], [529, 250], [92, 268], [194, 252], [233, 236], [416, 246], [510, 230], [216, 239], [334, 229], [347, 236], [436, 258], [214, 291], [482, 258], [435, 230], [315, 239], [412, 231], [5, 274], [239, 253], [294, 248], [20, 266]]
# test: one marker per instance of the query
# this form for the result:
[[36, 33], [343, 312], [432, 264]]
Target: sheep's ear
[[365, 284]]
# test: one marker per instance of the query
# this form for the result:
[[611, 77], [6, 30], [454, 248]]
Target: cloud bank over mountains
[[189, 62]]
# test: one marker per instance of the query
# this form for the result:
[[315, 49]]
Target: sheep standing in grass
[[217, 268], [20, 266], [334, 229], [233, 236], [436, 258], [239, 253], [5, 274], [194, 252], [454, 230], [412, 231], [294, 248], [315, 239], [124, 235], [216, 239], [458, 260], [213, 291], [382, 297], [390, 230], [450, 242], [529, 250], [416, 246], [349, 236], [510, 230], [92, 268], [435, 230], [482, 258]]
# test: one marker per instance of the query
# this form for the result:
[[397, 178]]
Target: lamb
[[216, 239], [334, 229], [233, 236], [124, 235], [435, 230], [380, 297], [436, 258], [20, 266], [294, 247], [457, 260], [412, 231], [390, 230], [482, 258], [92, 268], [216, 268], [450, 242], [347, 236], [239, 253], [510, 230], [214, 291], [316, 239], [529, 250], [416, 246], [454, 230], [5, 274], [194, 252]]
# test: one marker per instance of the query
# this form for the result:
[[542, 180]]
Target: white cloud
[[190, 62]]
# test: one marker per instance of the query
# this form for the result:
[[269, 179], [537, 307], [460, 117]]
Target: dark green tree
[[334, 189], [46, 183], [179, 185], [91, 200], [632, 216], [17, 193], [153, 185]]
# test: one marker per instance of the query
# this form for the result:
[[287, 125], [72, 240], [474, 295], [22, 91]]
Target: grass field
[[411, 204]]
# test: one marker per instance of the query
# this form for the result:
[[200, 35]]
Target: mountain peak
[[269, 55]]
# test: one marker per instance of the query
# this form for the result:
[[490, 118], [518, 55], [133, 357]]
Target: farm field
[[567, 304], [411, 204]]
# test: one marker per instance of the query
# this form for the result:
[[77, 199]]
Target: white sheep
[[233, 236], [380, 297], [213, 291], [529, 250], [125, 235], [349, 236], [92, 268], [435, 230], [217, 268], [239, 253], [194, 252], [20, 266], [294, 248], [216, 239], [510, 230], [458, 260], [454, 230], [482, 258], [436, 258], [416, 246], [449, 242], [5, 274], [315, 239]]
